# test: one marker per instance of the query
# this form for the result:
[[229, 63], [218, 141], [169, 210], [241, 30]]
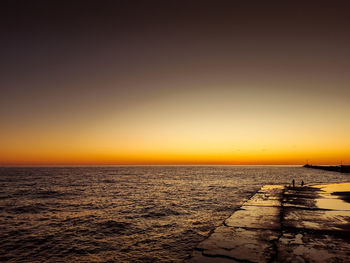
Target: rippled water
[[125, 214]]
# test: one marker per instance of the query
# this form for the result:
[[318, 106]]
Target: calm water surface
[[125, 214]]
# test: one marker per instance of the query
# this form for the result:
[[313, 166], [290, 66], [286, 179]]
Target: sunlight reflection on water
[[125, 214]]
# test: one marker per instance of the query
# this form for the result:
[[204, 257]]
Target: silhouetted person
[[302, 183], [293, 183]]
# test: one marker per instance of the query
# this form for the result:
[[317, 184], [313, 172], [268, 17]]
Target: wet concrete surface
[[284, 224]]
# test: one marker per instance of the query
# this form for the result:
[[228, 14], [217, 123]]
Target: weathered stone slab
[[240, 244], [305, 247], [317, 219], [260, 201], [302, 192], [318, 226], [269, 195], [249, 235], [272, 191], [302, 203], [262, 217], [312, 224]]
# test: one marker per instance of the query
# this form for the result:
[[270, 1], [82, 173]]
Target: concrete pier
[[283, 224]]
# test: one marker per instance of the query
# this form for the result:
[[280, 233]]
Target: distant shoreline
[[334, 168]]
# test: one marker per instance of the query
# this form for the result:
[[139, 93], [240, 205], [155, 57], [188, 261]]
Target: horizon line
[[179, 164]]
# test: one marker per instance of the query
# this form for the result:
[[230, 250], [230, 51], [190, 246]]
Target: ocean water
[[125, 214]]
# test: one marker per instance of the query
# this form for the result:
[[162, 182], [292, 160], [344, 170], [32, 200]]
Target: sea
[[126, 213]]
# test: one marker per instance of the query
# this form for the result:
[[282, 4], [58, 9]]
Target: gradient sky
[[174, 82]]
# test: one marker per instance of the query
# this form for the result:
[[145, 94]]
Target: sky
[[174, 82]]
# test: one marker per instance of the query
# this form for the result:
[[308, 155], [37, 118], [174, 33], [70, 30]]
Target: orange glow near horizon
[[179, 141], [187, 129], [90, 159], [245, 85], [195, 133]]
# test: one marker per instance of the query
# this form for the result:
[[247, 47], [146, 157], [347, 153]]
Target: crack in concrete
[[275, 242], [226, 257]]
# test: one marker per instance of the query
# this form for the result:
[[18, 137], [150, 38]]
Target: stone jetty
[[334, 168], [284, 224]]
